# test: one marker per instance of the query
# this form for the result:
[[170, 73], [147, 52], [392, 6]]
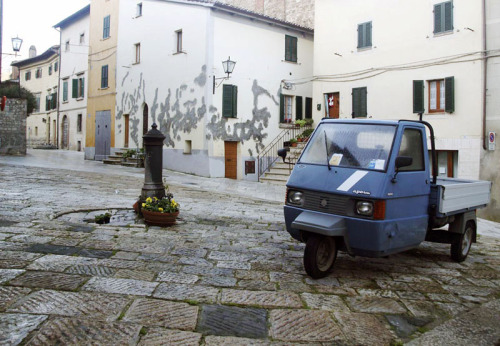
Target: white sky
[[33, 21]]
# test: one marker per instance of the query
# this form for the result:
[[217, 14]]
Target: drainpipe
[[58, 84], [485, 72]]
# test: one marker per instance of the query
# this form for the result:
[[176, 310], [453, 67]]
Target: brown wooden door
[[231, 159], [126, 118], [333, 103]]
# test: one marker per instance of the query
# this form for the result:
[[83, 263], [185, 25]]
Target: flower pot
[[294, 144], [136, 207], [155, 218]]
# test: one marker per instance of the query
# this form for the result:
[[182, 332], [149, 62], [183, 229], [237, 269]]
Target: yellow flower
[[160, 209], [143, 205], [155, 198], [149, 200]]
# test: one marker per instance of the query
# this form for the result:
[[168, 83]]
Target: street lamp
[[228, 66], [16, 44]]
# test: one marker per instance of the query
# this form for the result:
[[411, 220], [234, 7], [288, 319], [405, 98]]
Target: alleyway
[[227, 274]]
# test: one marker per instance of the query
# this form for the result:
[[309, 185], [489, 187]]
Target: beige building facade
[[40, 76]]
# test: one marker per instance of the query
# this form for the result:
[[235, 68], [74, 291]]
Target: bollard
[[153, 164]]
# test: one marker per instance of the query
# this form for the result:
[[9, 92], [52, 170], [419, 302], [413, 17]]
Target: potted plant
[[300, 123], [293, 142], [306, 134], [309, 121], [160, 211]]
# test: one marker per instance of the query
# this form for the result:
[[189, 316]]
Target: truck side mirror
[[401, 161], [282, 153]]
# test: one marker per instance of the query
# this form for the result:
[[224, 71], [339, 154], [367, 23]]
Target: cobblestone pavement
[[227, 274]]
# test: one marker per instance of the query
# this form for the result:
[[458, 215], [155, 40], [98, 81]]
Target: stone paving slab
[[70, 331], [160, 337], [195, 293], [120, 286], [300, 325], [233, 321], [15, 327], [363, 329], [9, 295], [9, 274], [71, 304], [159, 313], [56, 281], [261, 298]]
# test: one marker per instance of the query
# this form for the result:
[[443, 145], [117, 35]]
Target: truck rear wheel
[[461, 243], [319, 255]]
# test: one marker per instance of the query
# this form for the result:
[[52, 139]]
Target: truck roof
[[368, 121]]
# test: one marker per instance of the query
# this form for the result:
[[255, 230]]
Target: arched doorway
[[145, 117], [65, 133]]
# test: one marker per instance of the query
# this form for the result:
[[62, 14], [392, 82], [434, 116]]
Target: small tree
[[13, 91]]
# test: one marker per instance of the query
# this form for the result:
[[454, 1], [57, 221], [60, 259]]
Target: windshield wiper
[[326, 147]]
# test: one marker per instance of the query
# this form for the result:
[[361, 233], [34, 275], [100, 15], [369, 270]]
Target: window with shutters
[[65, 90], [104, 76], [78, 88], [442, 95], [298, 108], [38, 73], [66, 46], [229, 101], [290, 48], [286, 110], [37, 101], [106, 27], [27, 75], [443, 17], [56, 66], [309, 107], [359, 102], [365, 35], [418, 96], [178, 40], [138, 10]]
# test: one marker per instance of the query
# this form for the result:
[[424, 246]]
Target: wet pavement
[[227, 274]]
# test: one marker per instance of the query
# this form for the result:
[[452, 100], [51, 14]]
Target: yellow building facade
[[100, 122]]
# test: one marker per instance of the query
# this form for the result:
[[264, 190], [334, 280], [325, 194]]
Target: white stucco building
[[39, 75], [394, 59], [74, 37], [170, 72]]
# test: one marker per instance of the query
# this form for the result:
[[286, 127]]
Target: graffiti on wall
[[182, 110]]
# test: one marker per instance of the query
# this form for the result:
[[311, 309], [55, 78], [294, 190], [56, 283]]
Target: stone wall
[[13, 128], [299, 12]]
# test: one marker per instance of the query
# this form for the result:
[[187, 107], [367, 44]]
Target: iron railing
[[269, 155]]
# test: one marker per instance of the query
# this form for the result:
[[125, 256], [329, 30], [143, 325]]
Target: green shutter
[[437, 18], [359, 98], [449, 91], [74, 93], [360, 35], [309, 107], [290, 48], [82, 87], [448, 16], [227, 101], [418, 96], [298, 107], [47, 103], [368, 33], [54, 101], [294, 49], [282, 108]]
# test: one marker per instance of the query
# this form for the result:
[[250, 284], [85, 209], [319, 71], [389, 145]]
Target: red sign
[[3, 102]]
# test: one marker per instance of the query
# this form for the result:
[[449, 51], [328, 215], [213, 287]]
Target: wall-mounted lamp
[[228, 66], [16, 44]]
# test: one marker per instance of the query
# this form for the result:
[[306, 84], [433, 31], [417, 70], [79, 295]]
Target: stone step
[[112, 161], [115, 157], [278, 177], [129, 164], [273, 180]]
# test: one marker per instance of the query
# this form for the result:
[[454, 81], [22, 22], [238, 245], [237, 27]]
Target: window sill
[[291, 62], [443, 33], [181, 52], [80, 98], [106, 88], [136, 63], [64, 102], [106, 38], [364, 49]]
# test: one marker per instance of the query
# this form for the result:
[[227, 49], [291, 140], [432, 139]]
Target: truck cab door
[[410, 190]]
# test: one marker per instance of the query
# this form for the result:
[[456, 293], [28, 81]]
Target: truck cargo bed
[[452, 196]]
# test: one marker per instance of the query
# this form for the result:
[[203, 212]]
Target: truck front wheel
[[319, 255], [461, 243]]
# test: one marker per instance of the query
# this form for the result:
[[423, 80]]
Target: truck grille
[[326, 203]]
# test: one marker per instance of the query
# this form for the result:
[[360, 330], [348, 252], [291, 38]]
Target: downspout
[[485, 72], [58, 84]]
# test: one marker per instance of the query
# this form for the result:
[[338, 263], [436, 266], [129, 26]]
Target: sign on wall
[[491, 140]]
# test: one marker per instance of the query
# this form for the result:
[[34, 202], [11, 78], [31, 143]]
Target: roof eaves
[[74, 17], [54, 50]]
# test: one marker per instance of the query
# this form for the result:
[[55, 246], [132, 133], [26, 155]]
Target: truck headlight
[[364, 208], [295, 197]]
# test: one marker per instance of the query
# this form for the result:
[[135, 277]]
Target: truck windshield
[[350, 145]]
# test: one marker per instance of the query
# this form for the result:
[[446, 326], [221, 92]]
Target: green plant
[[293, 140], [307, 133], [13, 91], [300, 122], [309, 121], [102, 218]]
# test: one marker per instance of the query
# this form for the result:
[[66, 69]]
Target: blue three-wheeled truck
[[365, 187]]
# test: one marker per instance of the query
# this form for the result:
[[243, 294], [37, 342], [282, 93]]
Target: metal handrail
[[269, 154]]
